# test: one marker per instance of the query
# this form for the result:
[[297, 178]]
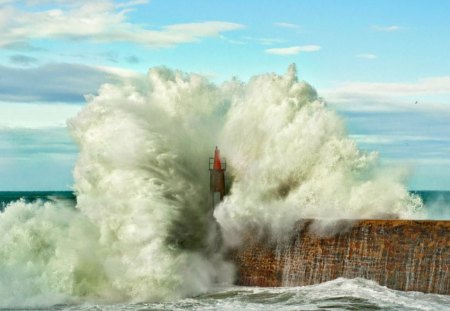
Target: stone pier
[[405, 255]]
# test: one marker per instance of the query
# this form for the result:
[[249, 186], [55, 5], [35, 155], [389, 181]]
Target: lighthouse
[[217, 168]]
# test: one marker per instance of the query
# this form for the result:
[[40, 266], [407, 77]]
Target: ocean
[[437, 203], [339, 294], [32, 196]]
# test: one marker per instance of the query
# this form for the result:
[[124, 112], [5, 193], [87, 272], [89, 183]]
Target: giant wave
[[141, 229]]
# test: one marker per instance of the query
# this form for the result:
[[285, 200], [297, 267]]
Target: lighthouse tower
[[217, 169]]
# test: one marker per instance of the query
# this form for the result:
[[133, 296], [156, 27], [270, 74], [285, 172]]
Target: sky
[[383, 65]]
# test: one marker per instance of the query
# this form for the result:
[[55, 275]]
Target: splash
[[141, 179], [142, 229], [292, 159], [48, 254]]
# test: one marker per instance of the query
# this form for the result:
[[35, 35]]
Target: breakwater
[[406, 255]]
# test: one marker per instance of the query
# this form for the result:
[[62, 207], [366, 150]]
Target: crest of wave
[[291, 159]]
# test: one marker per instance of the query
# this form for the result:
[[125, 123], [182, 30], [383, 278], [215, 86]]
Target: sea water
[[436, 203], [339, 294]]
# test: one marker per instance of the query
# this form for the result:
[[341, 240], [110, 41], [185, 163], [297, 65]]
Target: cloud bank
[[99, 21], [23, 60], [55, 82], [431, 85]]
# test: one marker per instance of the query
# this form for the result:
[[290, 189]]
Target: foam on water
[[340, 294], [48, 254], [141, 229]]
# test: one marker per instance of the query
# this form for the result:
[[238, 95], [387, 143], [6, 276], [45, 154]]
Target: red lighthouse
[[217, 169]]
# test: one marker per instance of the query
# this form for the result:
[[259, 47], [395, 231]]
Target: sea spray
[[141, 218], [291, 159], [142, 229], [141, 179], [48, 255]]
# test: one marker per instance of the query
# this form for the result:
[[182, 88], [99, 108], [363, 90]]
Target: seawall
[[405, 255]]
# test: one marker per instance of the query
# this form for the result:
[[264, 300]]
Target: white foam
[[291, 158]]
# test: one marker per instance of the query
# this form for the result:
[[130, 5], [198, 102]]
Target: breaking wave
[[291, 158], [142, 229]]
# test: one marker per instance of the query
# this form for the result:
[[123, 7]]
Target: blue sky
[[370, 60]]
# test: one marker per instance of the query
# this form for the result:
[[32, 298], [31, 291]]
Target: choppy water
[[31, 196], [437, 203], [340, 294]]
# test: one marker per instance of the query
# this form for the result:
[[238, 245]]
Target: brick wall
[[401, 254]]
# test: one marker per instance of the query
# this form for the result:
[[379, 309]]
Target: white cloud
[[390, 28], [50, 2], [427, 95], [377, 139], [128, 4], [120, 3], [100, 21], [426, 86], [120, 73], [366, 56], [293, 50], [287, 25]]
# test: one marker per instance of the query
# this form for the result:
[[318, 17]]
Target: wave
[[142, 230]]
